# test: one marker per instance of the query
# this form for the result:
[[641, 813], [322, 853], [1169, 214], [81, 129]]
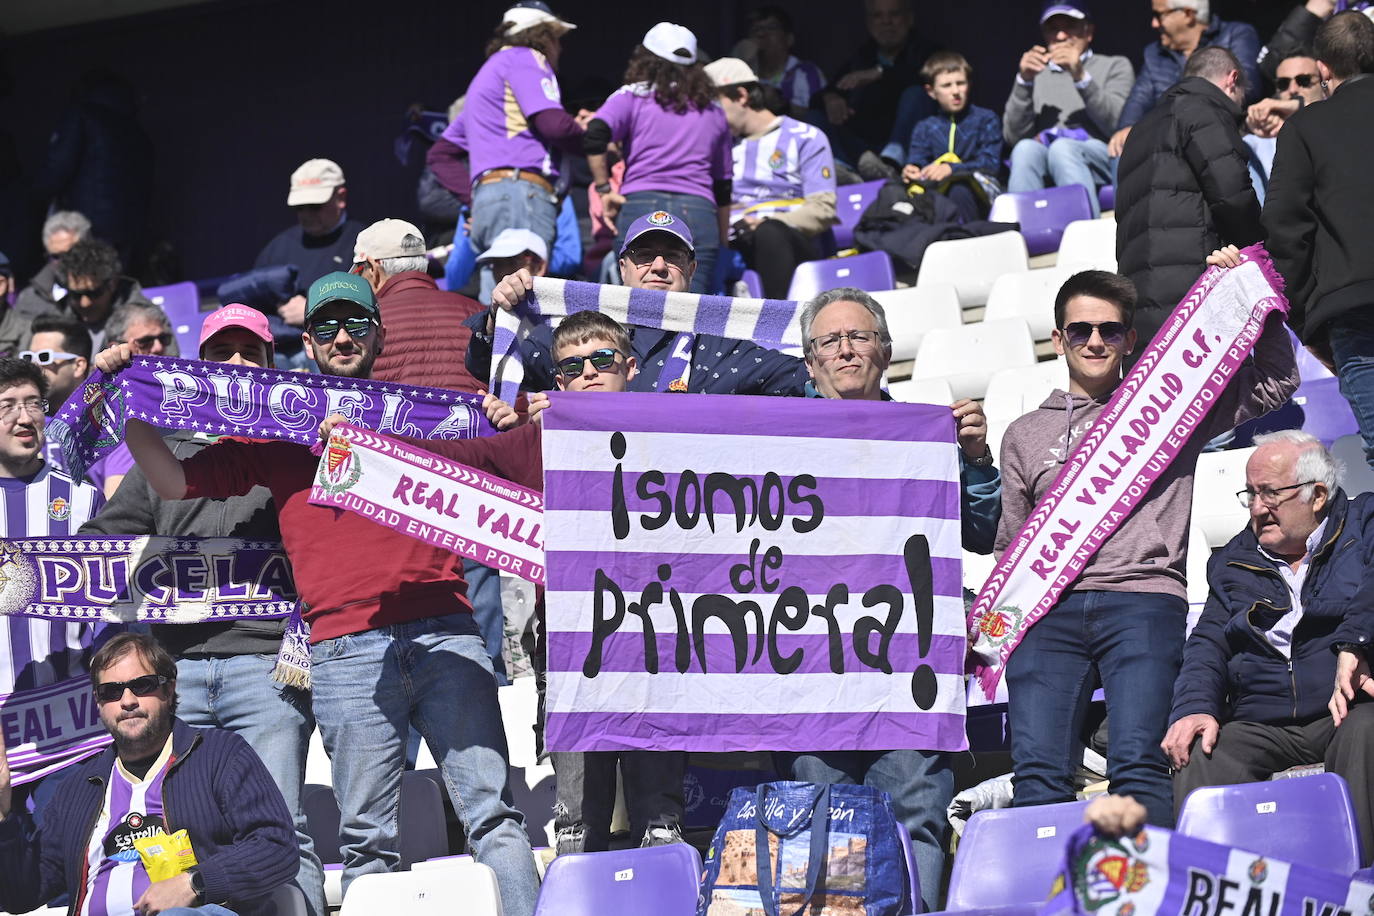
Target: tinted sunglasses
[[46, 357], [93, 293], [1078, 333], [147, 685], [324, 330], [1304, 81], [147, 340], [601, 360]]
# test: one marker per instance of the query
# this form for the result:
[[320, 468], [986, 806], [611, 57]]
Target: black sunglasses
[[602, 360], [1078, 333], [147, 340], [95, 292], [148, 684], [1304, 81], [324, 330]]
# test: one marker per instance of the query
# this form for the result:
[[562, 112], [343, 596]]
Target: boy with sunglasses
[[1122, 621]]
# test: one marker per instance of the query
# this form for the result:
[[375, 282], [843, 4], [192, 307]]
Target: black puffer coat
[[1183, 190]]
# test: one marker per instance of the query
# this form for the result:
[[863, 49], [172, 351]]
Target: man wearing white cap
[[322, 239], [515, 129], [516, 249], [675, 142], [784, 179]]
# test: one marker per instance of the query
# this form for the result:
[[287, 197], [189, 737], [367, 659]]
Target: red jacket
[[426, 340]]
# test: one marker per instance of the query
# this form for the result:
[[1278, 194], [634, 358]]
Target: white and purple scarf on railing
[[224, 399], [771, 323], [1138, 435]]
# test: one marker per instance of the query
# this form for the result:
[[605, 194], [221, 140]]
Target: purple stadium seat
[[871, 271], [1106, 197], [753, 282], [181, 302], [1309, 367], [1309, 820], [851, 200], [1042, 214], [913, 876], [1010, 855], [662, 880], [1326, 412]]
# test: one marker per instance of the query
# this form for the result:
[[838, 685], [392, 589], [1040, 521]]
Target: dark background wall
[[236, 93]]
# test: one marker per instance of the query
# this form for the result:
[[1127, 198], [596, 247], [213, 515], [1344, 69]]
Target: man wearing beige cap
[[322, 239]]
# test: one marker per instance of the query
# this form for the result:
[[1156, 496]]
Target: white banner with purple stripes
[[771, 323], [751, 573], [48, 728]]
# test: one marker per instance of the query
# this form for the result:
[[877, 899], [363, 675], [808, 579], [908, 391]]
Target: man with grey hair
[[1288, 612], [61, 231], [1184, 26], [847, 348], [145, 327]]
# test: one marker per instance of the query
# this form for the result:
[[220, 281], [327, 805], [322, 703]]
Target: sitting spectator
[[1064, 106], [61, 231], [237, 824], [14, 327], [1184, 26], [784, 179], [144, 327], [771, 36], [860, 104], [1184, 187], [516, 249], [1296, 33], [1296, 85], [957, 151], [676, 144], [1287, 613], [93, 276]]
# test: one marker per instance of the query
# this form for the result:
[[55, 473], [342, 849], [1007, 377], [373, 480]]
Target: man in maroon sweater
[[393, 642]]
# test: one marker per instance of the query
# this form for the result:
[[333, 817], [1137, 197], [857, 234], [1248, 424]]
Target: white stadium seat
[[1028, 295], [913, 311], [1217, 514], [1017, 391], [972, 265], [464, 886], [1089, 243], [967, 356], [921, 391]]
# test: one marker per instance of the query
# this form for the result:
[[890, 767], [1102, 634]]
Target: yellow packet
[[166, 856]]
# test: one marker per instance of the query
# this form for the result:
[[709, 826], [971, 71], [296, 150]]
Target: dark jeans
[[1352, 345], [1252, 751], [1132, 642], [775, 249], [701, 217], [586, 796]]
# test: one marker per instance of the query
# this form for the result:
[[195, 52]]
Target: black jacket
[[1231, 671], [1183, 190], [1319, 211]]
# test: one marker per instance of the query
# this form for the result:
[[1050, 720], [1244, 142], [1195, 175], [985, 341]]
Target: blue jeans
[[509, 203], [1352, 345], [586, 796], [914, 105], [1064, 162], [484, 591], [1133, 642], [701, 217], [238, 693], [434, 673], [920, 783]]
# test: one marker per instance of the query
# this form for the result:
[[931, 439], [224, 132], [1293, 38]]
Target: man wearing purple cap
[[224, 669], [1064, 106], [657, 254]]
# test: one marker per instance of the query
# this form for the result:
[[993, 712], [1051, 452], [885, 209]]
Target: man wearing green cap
[[393, 643]]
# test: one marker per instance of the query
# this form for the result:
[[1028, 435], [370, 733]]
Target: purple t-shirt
[[786, 164], [513, 85], [666, 151]]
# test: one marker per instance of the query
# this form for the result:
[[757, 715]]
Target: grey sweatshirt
[[1145, 554], [1052, 100]]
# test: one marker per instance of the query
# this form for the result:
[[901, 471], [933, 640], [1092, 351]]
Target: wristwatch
[[982, 462], [603, 188], [197, 883]]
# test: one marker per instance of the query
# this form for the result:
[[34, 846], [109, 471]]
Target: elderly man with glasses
[[1288, 613], [848, 348]]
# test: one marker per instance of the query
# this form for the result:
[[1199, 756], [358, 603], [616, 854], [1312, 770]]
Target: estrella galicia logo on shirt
[[119, 843], [660, 218], [59, 510], [775, 161]]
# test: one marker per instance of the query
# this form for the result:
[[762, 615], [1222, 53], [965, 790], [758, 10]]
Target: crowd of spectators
[[699, 169]]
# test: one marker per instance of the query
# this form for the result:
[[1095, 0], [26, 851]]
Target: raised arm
[[145, 442]]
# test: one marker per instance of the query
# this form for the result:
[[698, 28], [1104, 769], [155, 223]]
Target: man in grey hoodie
[[1123, 620]]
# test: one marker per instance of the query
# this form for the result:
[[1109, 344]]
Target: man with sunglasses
[[1122, 621], [1297, 85], [92, 274], [145, 328], [657, 254], [1287, 614], [161, 776], [393, 642]]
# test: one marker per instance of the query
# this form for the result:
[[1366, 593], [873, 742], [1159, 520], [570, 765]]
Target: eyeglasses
[[674, 257], [601, 360], [861, 341], [324, 330], [47, 357], [148, 684], [1078, 333], [1269, 498], [94, 293], [34, 406], [146, 341], [1304, 81]]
